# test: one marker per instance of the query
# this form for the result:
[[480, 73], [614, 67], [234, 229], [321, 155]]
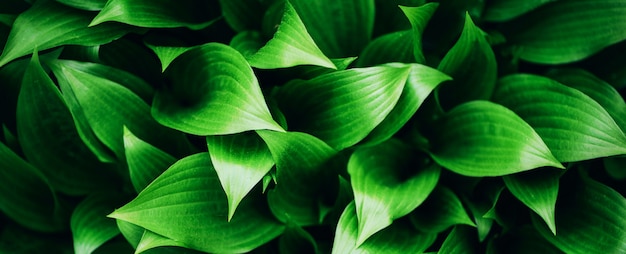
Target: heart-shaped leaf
[[419, 17], [145, 162], [385, 186], [504, 10], [214, 92], [90, 226], [189, 192], [574, 126], [481, 138], [439, 211]]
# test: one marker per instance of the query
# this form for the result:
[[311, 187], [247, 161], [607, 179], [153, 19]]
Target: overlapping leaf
[[439, 211], [388, 183], [460, 240], [481, 138], [247, 43], [90, 226], [503, 10], [574, 126], [214, 92], [392, 47], [88, 5], [150, 240], [419, 17], [145, 162], [191, 190], [242, 15]]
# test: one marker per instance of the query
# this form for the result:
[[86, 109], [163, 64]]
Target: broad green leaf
[[343, 107], [568, 31], [391, 47], [589, 218], [573, 125], [504, 10], [397, 238], [26, 197], [158, 13], [291, 45], [49, 138], [522, 240], [247, 42], [472, 65], [240, 160], [145, 162], [439, 211], [150, 240], [49, 24], [419, 17], [297, 240], [213, 92], [339, 28], [389, 182], [243, 15], [538, 190], [87, 5], [481, 138], [90, 226], [189, 192], [303, 178], [461, 240]]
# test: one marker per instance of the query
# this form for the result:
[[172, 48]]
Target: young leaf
[[419, 17], [240, 160], [189, 192], [574, 126], [385, 187], [391, 47], [439, 211], [481, 138], [243, 15], [504, 10], [291, 45], [145, 162], [214, 92], [49, 24], [90, 226]]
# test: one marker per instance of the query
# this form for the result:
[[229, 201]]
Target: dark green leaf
[[243, 15], [88, 5], [439, 211], [522, 240], [419, 17], [503, 10], [461, 240], [297, 240], [392, 47], [150, 240], [247, 43], [90, 226], [145, 162], [15, 239]]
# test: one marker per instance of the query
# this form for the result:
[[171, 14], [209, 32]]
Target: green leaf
[[167, 54], [537, 189], [504, 10], [145, 162], [397, 238], [387, 185], [419, 17], [158, 13], [49, 138], [343, 107], [574, 126], [472, 65], [391, 47], [49, 24], [243, 15], [439, 211], [461, 240], [150, 240], [247, 43], [481, 138], [214, 92], [87, 5], [189, 192], [589, 217], [304, 181], [614, 167], [339, 28], [568, 31], [240, 160], [131, 232], [291, 45], [90, 226]]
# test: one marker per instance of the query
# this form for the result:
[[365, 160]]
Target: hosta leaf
[[247, 43], [342, 107], [157, 13], [243, 15], [503, 10], [574, 126], [386, 186], [167, 54], [391, 47], [538, 190], [568, 31], [439, 211], [461, 240], [150, 240], [291, 45], [145, 162], [419, 17], [589, 218], [397, 238], [482, 138], [303, 178], [45, 123], [340, 28], [189, 192], [131, 232], [87, 5], [214, 92], [49, 24], [240, 160], [90, 226], [475, 83]]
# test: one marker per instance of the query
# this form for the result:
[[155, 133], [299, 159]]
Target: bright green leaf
[[150, 240], [87, 5], [145, 162], [389, 182], [504, 10], [439, 211], [574, 126], [214, 92], [90, 226], [187, 204], [392, 47], [247, 43], [482, 138], [243, 15], [166, 51], [419, 17]]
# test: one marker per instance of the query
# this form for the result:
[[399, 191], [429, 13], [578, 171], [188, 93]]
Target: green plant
[[300, 126]]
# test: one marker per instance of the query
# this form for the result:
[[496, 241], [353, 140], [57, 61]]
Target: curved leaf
[[87, 5], [504, 10], [385, 188], [247, 43], [574, 126], [568, 31], [90, 226], [49, 24], [439, 211], [291, 45], [214, 92], [461, 240], [189, 192], [166, 52], [419, 17], [150, 240], [391, 47], [145, 162], [480, 138], [242, 15]]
